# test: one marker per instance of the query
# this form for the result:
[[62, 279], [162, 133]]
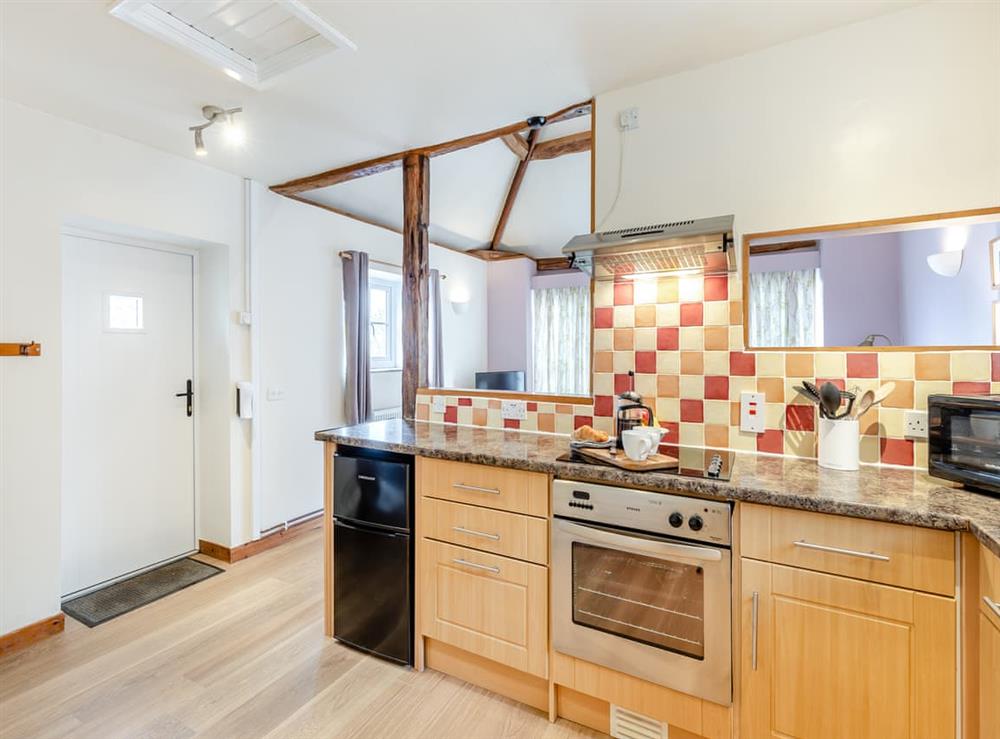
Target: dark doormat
[[121, 597]]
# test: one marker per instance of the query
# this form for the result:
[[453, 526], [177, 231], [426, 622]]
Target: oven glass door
[[646, 599]]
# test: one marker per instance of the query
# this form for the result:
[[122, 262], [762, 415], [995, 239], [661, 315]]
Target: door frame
[[140, 243]]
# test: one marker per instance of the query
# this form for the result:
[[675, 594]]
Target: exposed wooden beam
[[553, 264], [416, 218], [810, 245], [391, 161], [516, 143], [515, 185], [572, 144]]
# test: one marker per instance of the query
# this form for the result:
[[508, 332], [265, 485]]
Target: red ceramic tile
[[451, 414], [579, 421], [668, 339], [692, 411], [717, 287], [897, 451], [996, 366], [673, 434], [622, 383], [800, 417], [532, 406], [862, 364], [604, 405], [645, 362], [465, 401], [604, 317], [624, 293], [835, 380], [717, 388], [970, 388], [692, 314], [744, 365], [772, 441], [511, 423]]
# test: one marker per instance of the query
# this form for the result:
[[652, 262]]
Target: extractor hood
[[702, 245]]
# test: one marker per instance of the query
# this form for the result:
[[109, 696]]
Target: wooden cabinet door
[[494, 606], [989, 675], [834, 658]]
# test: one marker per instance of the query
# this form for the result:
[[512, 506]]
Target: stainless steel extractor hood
[[702, 245]]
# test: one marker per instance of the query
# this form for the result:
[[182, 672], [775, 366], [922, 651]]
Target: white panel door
[[128, 441]]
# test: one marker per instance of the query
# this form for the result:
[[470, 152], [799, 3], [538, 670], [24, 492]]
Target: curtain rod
[[347, 255]]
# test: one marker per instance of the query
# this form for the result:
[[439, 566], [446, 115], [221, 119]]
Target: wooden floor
[[242, 655]]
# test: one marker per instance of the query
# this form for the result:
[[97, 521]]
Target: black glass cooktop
[[711, 464]]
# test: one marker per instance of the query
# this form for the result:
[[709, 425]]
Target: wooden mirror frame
[[812, 232]]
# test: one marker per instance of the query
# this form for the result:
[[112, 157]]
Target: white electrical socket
[[275, 393], [437, 404], [515, 410], [915, 424], [628, 119], [752, 412]]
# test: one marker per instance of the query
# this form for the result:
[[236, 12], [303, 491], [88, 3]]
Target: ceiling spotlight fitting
[[213, 113]]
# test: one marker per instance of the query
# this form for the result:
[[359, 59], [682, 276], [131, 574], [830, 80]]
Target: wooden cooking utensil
[[883, 392]]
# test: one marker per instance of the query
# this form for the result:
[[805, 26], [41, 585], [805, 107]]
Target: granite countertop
[[890, 494]]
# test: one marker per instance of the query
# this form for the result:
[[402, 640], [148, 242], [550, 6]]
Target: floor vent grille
[[626, 724]]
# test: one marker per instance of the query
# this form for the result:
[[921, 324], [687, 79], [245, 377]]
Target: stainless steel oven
[[642, 583]]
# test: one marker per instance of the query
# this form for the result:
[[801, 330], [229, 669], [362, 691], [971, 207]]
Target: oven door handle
[[639, 543]]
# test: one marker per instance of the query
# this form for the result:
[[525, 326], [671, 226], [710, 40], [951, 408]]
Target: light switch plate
[[514, 410], [437, 404], [275, 393], [752, 412], [915, 424]]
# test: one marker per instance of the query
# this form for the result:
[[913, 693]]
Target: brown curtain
[[358, 389]]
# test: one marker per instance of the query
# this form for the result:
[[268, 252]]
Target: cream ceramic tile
[[692, 338], [870, 449], [645, 339], [530, 423], [645, 385], [692, 386], [645, 291], [923, 388], [774, 415], [716, 313], [564, 423], [793, 396], [716, 363], [604, 384], [717, 411], [895, 365], [668, 314], [480, 402], [623, 361], [692, 288], [742, 441], [920, 453], [739, 385], [668, 363], [970, 366], [692, 434], [624, 316], [800, 443], [831, 364], [668, 409], [551, 407], [604, 339], [605, 424], [891, 423], [465, 414], [770, 364], [604, 293], [736, 338], [995, 388], [493, 418]]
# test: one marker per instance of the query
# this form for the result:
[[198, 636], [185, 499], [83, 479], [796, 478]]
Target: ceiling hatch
[[251, 40]]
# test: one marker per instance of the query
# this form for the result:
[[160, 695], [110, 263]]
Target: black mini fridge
[[373, 552]]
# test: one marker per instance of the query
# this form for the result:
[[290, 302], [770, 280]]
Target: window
[[384, 320], [123, 313], [560, 320]]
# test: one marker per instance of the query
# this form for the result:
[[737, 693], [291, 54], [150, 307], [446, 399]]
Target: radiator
[[386, 413]]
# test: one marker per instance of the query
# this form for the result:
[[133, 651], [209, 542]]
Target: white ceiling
[[424, 72]]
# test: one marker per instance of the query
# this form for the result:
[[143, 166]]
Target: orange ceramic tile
[[773, 389], [423, 412], [928, 366], [667, 386], [624, 340], [799, 365], [667, 290], [734, 414], [563, 408], [901, 396], [735, 312], [716, 435], [692, 363], [494, 404], [603, 361], [716, 338], [479, 417], [645, 315], [868, 423]]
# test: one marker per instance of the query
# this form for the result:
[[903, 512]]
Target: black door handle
[[189, 394]]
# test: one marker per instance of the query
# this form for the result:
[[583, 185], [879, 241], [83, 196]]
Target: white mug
[[655, 434], [637, 444]]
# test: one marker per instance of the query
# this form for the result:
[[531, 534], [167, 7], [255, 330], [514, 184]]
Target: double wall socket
[[915, 424], [628, 119], [437, 404], [514, 410]]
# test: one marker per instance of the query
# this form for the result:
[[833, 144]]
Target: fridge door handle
[[368, 529]]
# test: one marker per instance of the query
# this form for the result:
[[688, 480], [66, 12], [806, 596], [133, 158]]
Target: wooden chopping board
[[652, 462]]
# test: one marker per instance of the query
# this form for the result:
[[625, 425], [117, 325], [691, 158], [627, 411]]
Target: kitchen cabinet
[[828, 657], [989, 645]]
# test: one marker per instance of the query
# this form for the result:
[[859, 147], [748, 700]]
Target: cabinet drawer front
[[494, 606], [489, 530], [492, 487], [989, 583], [895, 554]]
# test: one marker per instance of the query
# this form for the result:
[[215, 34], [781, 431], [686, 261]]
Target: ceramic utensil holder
[[839, 443]]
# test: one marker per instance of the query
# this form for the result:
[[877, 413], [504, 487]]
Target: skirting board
[[235, 554], [32, 633]]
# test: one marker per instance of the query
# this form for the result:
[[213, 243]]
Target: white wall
[[464, 334], [889, 117], [55, 172]]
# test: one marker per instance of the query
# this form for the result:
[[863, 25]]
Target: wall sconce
[[213, 114], [948, 261], [459, 298]]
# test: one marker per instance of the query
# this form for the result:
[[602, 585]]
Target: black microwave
[[963, 433]]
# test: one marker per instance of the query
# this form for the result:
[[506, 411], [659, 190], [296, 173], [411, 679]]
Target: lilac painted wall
[[936, 310], [508, 321]]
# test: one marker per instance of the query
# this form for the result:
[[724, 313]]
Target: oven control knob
[[696, 523], [676, 520]]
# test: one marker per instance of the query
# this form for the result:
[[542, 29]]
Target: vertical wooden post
[[416, 216]]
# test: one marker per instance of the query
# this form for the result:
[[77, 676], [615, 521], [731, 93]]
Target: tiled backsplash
[[683, 336]]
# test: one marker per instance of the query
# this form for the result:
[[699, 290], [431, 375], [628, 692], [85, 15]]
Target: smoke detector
[[250, 40]]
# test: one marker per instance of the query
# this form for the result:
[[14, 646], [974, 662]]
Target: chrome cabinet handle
[[753, 630], [475, 489], [476, 565], [992, 605], [470, 532], [838, 550], [369, 478]]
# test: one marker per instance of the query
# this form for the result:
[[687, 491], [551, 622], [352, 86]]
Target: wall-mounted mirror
[[928, 281]]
